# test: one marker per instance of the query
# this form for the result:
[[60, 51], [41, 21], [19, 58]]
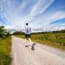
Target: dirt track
[[42, 55]]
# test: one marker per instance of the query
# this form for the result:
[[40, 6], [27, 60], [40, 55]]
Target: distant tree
[[3, 32], [7, 34], [18, 33]]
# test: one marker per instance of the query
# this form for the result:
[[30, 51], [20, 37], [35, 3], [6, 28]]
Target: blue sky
[[39, 13]]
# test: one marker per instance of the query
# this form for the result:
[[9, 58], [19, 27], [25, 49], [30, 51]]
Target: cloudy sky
[[39, 13]]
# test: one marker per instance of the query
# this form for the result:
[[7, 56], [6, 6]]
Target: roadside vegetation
[[54, 39], [5, 47]]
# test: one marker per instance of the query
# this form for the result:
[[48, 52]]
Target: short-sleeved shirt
[[27, 30]]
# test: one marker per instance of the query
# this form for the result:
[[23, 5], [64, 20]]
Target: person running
[[27, 32], [28, 35]]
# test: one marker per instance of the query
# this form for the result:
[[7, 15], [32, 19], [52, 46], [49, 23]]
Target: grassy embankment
[[5, 48], [56, 39]]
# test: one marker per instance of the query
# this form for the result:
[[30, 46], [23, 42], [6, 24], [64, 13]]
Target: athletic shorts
[[27, 35]]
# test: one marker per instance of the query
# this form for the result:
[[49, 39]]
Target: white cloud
[[8, 27], [53, 27], [56, 16], [41, 6]]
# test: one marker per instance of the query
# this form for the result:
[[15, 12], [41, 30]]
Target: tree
[[2, 31]]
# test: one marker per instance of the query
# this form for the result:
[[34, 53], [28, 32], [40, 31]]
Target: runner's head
[[26, 24]]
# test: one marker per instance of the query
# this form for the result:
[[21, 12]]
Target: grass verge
[[5, 48], [56, 40]]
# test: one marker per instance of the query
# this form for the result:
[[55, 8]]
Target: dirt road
[[42, 55]]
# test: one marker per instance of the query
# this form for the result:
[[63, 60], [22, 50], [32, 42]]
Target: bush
[[5, 59]]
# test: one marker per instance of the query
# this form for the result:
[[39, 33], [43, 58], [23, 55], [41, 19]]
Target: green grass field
[[5, 48], [51, 39]]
